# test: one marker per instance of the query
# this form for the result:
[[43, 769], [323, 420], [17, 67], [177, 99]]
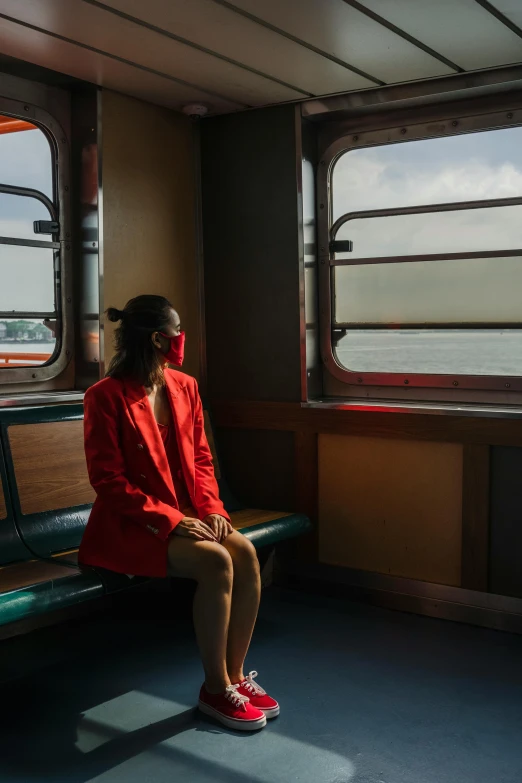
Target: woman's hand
[[220, 526], [194, 528]]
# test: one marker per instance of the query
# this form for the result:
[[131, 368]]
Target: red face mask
[[176, 351]]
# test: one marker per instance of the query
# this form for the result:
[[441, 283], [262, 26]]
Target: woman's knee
[[199, 560], [242, 552], [215, 564]]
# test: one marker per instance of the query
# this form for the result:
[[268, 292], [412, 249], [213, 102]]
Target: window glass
[[26, 342], [470, 167], [469, 230], [471, 290], [17, 215], [433, 352], [463, 314], [27, 275], [25, 156]]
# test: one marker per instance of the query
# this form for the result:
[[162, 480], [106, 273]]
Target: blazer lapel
[[144, 421], [182, 418]]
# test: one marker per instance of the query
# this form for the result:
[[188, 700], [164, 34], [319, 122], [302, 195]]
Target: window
[[29, 249], [423, 280]]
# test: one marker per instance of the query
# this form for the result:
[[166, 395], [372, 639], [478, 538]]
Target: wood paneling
[[3, 507], [475, 517], [368, 421], [149, 212], [49, 464], [252, 516], [391, 506]]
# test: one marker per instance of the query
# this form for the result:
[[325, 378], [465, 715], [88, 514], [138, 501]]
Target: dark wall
[[505, 568], [251, 250], [259, 466]]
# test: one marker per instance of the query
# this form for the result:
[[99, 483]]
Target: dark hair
[[136, 357]]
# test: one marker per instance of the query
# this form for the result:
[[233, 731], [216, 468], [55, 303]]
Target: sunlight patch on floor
[[122, 715]]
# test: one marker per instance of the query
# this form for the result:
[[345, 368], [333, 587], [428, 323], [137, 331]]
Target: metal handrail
[[14, 190], [21, 315], [494, 326], [29, 243], [450, 206], [426, 257]]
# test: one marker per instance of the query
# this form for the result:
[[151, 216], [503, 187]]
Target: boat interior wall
[[149, 242]]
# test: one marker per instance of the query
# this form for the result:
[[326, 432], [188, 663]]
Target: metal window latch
[[341, 246], [337, 335], [46, 227]]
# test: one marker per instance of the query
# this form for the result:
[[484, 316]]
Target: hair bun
[[114, 315]]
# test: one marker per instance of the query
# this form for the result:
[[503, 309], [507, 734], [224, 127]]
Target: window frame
[[453, 125], [59, 207]]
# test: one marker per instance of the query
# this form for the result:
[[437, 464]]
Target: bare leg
[[245, 602], [211, 566]]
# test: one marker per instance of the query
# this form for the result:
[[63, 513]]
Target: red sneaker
[[258, 697], [232, 708]]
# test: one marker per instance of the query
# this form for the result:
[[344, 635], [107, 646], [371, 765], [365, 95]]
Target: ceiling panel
[[512, 9], [232, 54], [94, 27], [348, 34], [215, 27], [461, 30], [41, 49]]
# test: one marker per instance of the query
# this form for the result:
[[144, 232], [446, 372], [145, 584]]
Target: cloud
[[372, 183]]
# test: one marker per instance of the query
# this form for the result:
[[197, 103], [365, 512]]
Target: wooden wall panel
[[50, 466], [371, 421], [149, 225], [394, 507]]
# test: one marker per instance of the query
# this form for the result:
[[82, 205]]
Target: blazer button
[[140, 446]]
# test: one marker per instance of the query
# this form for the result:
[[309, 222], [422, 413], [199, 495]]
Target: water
[[468, 352]]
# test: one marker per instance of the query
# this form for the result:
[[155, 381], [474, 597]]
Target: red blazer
[[136, 509]]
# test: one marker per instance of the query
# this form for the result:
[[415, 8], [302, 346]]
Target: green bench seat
[[45, 501]]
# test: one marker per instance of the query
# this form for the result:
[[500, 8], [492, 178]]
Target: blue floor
[[367, 696]]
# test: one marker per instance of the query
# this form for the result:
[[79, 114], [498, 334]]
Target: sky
[[459, 168], [26, 274]]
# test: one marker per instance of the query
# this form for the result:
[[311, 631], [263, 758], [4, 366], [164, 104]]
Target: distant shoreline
[[6, 341]]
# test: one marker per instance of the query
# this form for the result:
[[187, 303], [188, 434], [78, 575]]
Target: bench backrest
[[47, 476], [12, 548], [45, 486]]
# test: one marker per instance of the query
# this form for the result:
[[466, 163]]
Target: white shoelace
[[237, 699], [253, 687]]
